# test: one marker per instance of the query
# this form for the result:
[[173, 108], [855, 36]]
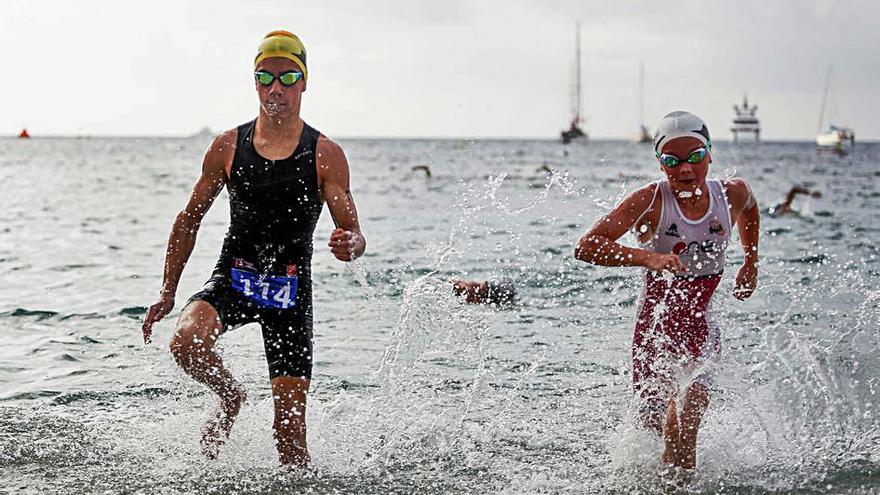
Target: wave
[[109, 396], [26, 313], [135, 312]]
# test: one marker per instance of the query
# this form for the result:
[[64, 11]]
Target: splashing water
[[415, 391]]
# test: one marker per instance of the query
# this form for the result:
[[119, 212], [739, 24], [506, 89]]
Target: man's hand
[[156, 313], [746, 281], [665, 262], [345, 244]]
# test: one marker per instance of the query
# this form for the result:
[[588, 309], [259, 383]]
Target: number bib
[[266, 290]]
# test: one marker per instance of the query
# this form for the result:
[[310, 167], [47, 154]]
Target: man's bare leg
[[289, 395], [696, 401], [193, 348]]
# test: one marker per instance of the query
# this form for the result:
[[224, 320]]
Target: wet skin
[[641, 211], [277, 133]]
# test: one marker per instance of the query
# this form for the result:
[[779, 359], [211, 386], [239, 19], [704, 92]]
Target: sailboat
[[643, 136], [836, 138], [574, 131]]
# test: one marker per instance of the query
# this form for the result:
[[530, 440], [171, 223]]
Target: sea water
[[414, 391]]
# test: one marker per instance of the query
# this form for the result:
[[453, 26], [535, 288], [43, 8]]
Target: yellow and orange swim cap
[[283, 44]]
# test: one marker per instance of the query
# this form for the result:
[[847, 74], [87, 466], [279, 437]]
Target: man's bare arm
[[187, 223], [347, 242]]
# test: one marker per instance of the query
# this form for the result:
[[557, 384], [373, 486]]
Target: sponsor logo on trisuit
[[672, 231], [715, 227], [244, 264], [707, 246], [302, 154]]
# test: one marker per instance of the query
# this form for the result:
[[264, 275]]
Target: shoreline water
[[412, 390]]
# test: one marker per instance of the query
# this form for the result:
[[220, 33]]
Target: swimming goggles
[[673, 161], [286, 78]]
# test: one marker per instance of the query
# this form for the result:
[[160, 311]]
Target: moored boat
[[574, 131]]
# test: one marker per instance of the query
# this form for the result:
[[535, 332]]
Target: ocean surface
[[413, 391]]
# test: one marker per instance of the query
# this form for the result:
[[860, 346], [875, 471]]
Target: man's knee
[[196, 334], [188, 344]]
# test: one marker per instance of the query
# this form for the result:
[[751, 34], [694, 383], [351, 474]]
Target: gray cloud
[[432, 68]]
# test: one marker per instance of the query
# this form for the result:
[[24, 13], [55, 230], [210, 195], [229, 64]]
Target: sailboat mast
[[577, 114], [641, 93], [824, 98]]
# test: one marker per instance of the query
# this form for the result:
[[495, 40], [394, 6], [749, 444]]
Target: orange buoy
[[24, 134]]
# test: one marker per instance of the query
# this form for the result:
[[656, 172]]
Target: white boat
[[837, 138], [745, 121], [574, 131]]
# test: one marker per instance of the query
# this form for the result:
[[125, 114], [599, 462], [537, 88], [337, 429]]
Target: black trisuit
[[264, 273]]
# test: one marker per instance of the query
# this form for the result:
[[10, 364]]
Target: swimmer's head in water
[[680, 124], [282, 44], [501, 292]]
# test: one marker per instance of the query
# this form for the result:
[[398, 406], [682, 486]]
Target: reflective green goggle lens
[[672, 161], [697, 155], [290, 78], [286, 78], [264, 78], [668, 160]]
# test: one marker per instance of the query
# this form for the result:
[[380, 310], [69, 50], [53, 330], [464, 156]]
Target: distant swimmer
[[544, 168], [422, 168], [498, 292], [683, 225], [784, 208], [279, 171]]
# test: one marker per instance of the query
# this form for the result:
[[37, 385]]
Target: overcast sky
[[419, 68]]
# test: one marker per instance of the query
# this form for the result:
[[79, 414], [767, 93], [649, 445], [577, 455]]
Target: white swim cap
[[678, 124]]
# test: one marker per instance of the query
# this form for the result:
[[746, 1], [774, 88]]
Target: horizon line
[[397, 138]]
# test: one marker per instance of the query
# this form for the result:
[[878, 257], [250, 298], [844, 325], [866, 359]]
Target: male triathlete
[[279, 171]]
